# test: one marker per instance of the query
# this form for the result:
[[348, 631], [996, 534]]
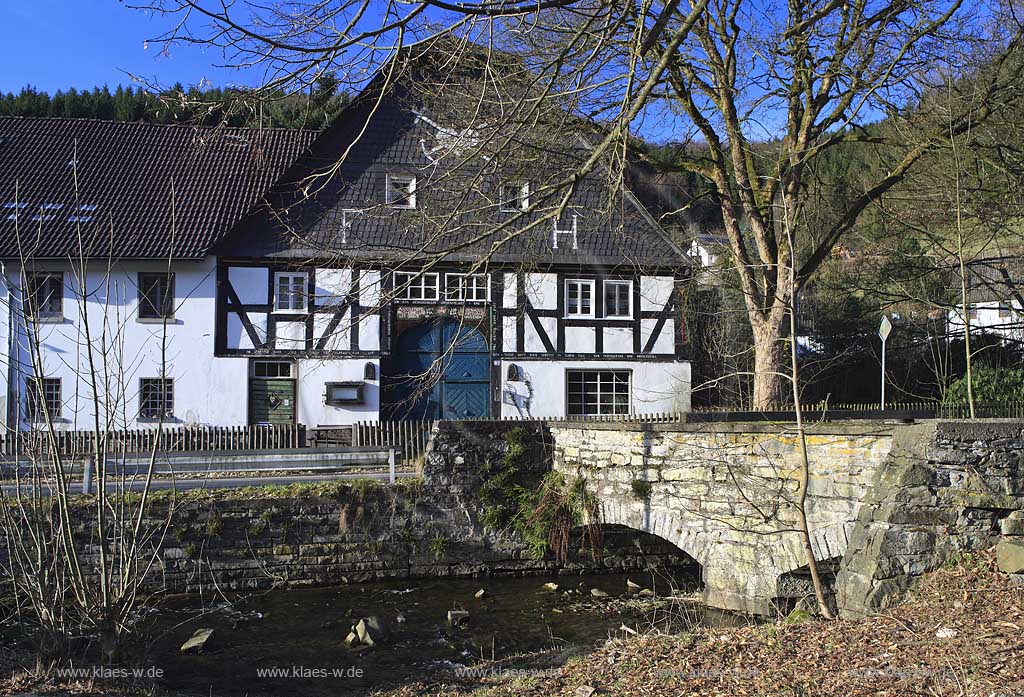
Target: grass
[[335, 490]]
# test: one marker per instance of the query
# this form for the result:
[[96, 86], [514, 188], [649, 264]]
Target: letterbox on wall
[[338, 393]]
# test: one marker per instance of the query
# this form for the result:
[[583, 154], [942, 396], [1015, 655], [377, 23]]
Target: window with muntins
[[618, 298], [514, 197], [597, 392], [401, 191], [1004, 310], [270, 370], [46, 294], [416, 286], [156, 295], [290, 292], [579, 298], [156, 398], [43, 399], [469, 287]]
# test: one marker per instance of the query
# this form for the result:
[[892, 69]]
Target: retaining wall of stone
[[367, 530]]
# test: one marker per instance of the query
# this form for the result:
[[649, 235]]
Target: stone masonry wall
[[723, 493], [886, 503], [363, 530], [947, 488]]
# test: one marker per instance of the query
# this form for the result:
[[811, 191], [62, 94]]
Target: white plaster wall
[[332, 285], [508, 295], [581, 339], [369, 288], [207, 390], [541, 290], [312, 378], [5, 348], [251, 283], [656, 387], [988, 319], [617, 339], [532, 342], [655, 291]]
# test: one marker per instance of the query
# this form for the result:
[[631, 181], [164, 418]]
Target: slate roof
[[344, 213], [126, 173]]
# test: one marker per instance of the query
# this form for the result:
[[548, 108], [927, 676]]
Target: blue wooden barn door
[[440, 371]]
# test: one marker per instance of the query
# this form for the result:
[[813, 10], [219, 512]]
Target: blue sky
[[57, 44]]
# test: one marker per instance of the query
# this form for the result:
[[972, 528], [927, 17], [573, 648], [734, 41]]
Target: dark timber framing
[[524, 313]]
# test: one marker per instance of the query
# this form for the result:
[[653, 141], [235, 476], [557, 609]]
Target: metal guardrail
[[284, 462]]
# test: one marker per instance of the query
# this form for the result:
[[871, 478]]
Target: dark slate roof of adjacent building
[[131, 190], [323, 207]]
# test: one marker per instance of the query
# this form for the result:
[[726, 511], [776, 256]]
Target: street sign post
[[884, 329]]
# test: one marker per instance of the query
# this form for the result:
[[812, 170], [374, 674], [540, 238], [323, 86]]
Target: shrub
[[641, 489], [991, 384]]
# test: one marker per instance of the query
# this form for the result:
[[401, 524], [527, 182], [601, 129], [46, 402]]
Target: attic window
[[347, 215], [236, 140], [515, 197], [401, 191]]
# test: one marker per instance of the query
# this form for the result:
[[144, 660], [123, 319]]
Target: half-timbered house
[[390, 266]]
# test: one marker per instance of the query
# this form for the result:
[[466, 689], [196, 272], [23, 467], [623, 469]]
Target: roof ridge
[[77, 119]]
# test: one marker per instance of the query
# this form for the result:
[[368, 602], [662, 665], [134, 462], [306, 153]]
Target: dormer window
[[515, 197], [401, 191]]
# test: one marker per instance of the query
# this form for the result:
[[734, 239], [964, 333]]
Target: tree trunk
[[767, 364]]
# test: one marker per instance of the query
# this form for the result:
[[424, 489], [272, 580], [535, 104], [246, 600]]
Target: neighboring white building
[[214, 288], [995, 305]]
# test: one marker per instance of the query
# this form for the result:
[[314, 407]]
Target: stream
[[289, 642]]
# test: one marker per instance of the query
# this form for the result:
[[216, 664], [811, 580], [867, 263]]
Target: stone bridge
[[885, 502]]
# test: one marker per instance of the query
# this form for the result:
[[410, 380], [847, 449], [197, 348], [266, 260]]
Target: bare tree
[[76, 566], [768, 90]]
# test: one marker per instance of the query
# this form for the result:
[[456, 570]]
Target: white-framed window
[[468, 287], [410, 285], [579, 298], [1004, 310], [290, 290], [618, 299], [514, 196], [597, 392], [401, 191]]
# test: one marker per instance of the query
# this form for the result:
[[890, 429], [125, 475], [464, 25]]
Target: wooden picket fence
[[176, 439], [409, 438]]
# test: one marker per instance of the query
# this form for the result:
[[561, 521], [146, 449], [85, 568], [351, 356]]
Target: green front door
[[271, 396]]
